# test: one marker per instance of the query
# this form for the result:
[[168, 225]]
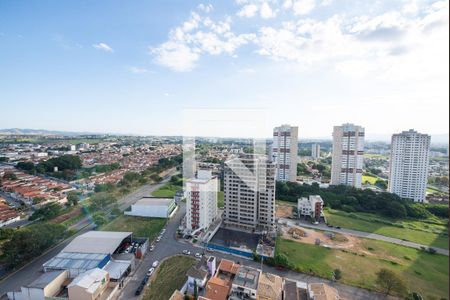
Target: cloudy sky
[[139, 66]]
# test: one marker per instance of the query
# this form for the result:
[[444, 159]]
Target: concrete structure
[[270, 287], [47, 285], [310, 207], [295, 290], [249, 186], [219, 286], [89, 285], [152, 207], [201, 200], [409, 162], [245, 284], [315, 151], [348, 155], [284, 152], [198, 273]]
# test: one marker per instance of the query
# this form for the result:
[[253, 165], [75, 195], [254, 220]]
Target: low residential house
[[270, 287], [310, 207], [8, 214], [245, 283], [198, 274], [295, 290], [321, 291], [89, 285], [219, 286]]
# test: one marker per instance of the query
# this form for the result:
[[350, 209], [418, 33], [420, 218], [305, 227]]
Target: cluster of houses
[[8, 214], [228, 280], [27, 188]]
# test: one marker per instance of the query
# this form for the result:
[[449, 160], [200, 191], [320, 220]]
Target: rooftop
[[321, 291], [154, 201], [247, 277], [100, 242], [90, 280], [270, 287], [45, 279]]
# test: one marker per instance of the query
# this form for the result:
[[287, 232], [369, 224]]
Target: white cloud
[[207, 8], [248, 11], [303, 7], [176, 56], [266, 11], [103, 47], [139, 70]]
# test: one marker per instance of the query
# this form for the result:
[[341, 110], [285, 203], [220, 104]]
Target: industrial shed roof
[[100, 242]]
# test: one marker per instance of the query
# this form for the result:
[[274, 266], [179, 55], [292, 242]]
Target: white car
[[198, 255], [158, 238], [150, 271], [152, 248], [186, 252], [155, 264]]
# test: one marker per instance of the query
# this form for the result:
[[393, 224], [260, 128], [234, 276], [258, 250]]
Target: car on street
[[158, 238], [152, 247], [139, 289], [198, 255], [150, 271], [338, 227], [155, 264], [186, 252]]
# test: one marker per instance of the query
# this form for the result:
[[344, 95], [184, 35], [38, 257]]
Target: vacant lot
[[422, 272], [220, 197], [141, 227], [369, 179], [284, 209], [170, 276], [427, 233], [166, 191]]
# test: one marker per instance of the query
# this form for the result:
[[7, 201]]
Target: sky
[[140, 67]]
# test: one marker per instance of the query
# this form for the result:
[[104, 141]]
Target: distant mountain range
[[19, 131], [435, 138]]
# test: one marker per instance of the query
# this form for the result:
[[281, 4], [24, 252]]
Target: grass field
[[170, 276], [425, 233], [141, 227], [369, 179], [422, 272], [220, 200], [166, 191]]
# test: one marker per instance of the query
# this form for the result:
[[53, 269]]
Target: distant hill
[[19, 131]]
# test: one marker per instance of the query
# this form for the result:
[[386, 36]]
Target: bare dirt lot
[[284, 210]]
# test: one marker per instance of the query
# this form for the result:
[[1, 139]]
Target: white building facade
[[201, 200], [348, 155], [408, 174], [249, 183], [310, 207], [284, 152]]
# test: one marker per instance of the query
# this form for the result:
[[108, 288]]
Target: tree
[[37, 200], [72, 198], [9, 176], [25, 165], [46, 212], [195, 290], [337, 274], [389, 282], [100, 201], [99, 218]]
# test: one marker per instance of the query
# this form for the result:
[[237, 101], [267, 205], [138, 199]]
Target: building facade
[[409, 162], [284, 152], [315, 151], [348, 155], [201, 200], [310, 207], [249, 200]]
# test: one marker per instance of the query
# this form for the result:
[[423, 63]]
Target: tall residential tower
[[284, 152], [408, 174], [249, 185], [348, 155]]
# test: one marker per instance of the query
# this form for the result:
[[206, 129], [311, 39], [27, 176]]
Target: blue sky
[[137, 66]]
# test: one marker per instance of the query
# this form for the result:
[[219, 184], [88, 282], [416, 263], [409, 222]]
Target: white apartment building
[[310, 207], [201, 200], [409, 161], [348, 155], [284, 152], [249, 183], [315, 151]]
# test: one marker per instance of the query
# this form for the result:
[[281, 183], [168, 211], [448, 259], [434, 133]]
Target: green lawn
[[422, 272], [421, 232], [220, 200], [170, 276], [166, 191], [140, 226], [369, 179]]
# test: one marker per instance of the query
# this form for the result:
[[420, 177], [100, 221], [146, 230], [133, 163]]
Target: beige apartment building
[[285, 152]]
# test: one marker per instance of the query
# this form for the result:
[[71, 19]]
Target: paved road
[[363, 234], [32, 270], [169, 246]]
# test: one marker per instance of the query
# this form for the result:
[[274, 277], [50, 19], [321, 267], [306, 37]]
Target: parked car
[[139, 289], [186, 252], [155, 264], [152, 247], [158, 238], [338, 227], [150, 271], [198, 255]]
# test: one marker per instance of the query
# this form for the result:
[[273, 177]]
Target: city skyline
[[134, 70]]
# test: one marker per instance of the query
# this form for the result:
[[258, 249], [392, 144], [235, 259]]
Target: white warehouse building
[[152, 207]]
